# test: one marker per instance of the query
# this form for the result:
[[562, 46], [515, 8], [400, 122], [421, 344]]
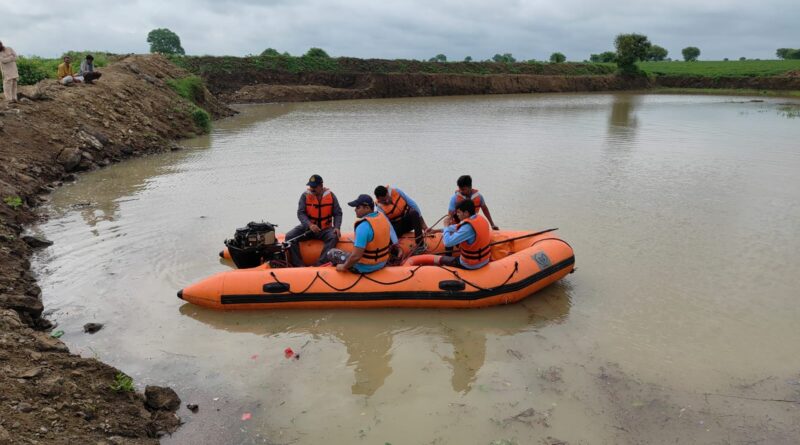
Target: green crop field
[[737, 68]]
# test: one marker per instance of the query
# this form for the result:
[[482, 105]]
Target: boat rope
[[317, 276], [516, 238], [457, 275]]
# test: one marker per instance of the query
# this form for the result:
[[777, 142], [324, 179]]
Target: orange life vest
[[397, 208], [479, 251], [377, 250], [475, 197], [320, 211]]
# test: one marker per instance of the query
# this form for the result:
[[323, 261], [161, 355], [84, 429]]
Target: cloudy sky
[[414, 29]]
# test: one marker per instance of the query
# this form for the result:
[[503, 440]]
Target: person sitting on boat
[[374, 237], [466, 192], [320, 218], [403, 213], [472, 236]]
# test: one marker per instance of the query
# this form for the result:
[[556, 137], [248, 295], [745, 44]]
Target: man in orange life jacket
[[466, 192], [472, 236], [402, 211], [374, 237], [319, 214]]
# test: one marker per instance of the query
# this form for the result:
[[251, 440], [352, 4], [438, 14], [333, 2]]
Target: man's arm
[[410, 201], [452, 237], [11, 57], [351, 260], [488, 216], [301, 212], [337, 213]]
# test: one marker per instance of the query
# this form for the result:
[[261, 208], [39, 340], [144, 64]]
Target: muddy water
[[679, 324]]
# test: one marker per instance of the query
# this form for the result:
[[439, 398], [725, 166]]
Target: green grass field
[[733, 68]]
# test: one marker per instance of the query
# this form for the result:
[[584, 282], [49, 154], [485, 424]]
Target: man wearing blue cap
[[320, 218], [374, 238]]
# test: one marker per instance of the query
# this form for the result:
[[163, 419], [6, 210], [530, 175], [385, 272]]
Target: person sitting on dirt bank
[[8, 68], [320, 218], [466, 192], [374, 237], [87, 70], [472, 236], [403, 213], [65, 74]]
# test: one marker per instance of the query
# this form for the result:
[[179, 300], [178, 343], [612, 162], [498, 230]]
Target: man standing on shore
[[8, 67]]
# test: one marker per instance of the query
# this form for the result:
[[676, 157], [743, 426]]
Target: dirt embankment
[[787, 82], [265, 86], [49, 395]]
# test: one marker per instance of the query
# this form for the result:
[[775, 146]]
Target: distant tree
[[690, 53], [788, 53], [725, 59], [742, 58], [631, 48], [164, 41], [557, 58], [318, 53], [438, 58], [504, 58], [270, 52], [286, 54], [605, 57], [468, 59], [656, 53]]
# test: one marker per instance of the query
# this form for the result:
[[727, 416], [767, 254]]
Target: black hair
[[464, 181], [381, 191], [89, 57], [466, 206], [1, 46]]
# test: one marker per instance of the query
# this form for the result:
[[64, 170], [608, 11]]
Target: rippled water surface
[[683, 212]]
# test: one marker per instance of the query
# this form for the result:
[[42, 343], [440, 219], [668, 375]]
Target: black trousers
[[327, 236], [408, 222]]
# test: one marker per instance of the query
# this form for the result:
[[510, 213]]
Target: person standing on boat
[[472, 236], [466, 192], [374, 238], [320, 218], [403, 213]]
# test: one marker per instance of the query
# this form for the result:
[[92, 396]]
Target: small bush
[[317, 52], [14, 202], [190, 88], [201, 118], [122, 383]]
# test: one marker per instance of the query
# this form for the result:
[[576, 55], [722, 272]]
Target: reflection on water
[[368, 337], [683, 211]]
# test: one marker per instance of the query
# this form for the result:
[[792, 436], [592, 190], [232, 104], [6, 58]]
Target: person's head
[[464, 184], [382, 194], [465, 209], [67, 59], [89, 58], [315, 183], [363, 205], [1, 46]]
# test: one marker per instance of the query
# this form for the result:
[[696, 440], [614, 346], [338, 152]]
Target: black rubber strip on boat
[[405, 295]]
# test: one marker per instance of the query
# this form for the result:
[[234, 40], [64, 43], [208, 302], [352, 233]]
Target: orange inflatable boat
[[522, 264]]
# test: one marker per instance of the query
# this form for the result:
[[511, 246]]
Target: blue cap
[[314, 180], [362, 200]]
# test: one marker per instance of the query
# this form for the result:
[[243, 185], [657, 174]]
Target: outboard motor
[[253, 244]]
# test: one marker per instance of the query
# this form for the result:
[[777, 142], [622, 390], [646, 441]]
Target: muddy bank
[[790, 82], [48, 394], [325, 86]]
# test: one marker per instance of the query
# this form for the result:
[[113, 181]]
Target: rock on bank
[[49, 395]]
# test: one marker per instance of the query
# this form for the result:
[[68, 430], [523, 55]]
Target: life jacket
[[377, 250], [397, 208], [475, 197], [480, 250], [320, 212]]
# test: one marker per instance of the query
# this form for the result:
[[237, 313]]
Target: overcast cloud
[[415, 29]]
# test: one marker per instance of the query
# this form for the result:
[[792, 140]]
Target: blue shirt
[[452, 207], [365, 234], [454, 235]]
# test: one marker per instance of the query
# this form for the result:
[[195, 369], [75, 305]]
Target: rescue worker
[[374, 237], [320, 218], [403, 213], [466, 192], [472, 236]]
